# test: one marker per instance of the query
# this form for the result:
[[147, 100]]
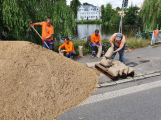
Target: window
[[87, 12], [91, 9], [80, 12], [84, 12], [97, 8], [89, 16], [84, 16], [79, 9]]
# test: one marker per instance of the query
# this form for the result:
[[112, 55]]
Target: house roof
[[87, 6], [141, 5]]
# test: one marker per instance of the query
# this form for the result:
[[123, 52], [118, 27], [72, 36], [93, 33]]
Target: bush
[[106, 44]]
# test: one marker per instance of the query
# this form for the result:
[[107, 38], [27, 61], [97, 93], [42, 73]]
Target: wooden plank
[[104, 71]]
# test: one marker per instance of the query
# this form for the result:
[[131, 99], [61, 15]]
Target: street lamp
[[124, 4]]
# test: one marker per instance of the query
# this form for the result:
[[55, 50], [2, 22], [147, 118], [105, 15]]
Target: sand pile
[[39, 84]]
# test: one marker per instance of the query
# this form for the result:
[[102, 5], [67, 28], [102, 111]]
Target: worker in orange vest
[[96, 42], [69, 48], [47, 33]]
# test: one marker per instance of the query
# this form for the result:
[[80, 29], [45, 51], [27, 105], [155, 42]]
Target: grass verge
[[136, 43]]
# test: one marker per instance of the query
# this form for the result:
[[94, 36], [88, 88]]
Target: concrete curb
[[130, 79]]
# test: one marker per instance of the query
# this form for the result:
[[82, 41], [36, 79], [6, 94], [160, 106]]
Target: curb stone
[[124, 81], [138, 77], [98, 86], [151, 75], [130, 79], [108, 84]]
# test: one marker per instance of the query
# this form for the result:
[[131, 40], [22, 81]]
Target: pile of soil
[[39, 84]]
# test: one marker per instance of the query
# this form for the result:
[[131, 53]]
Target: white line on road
[[121, 92]]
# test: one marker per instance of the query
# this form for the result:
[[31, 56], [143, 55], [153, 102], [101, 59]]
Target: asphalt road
[[140, 100]]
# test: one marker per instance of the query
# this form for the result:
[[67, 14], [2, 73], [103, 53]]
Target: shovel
[[40, 36]]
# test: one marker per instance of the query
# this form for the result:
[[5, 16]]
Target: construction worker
[[69, 48], [47, 33], [119, 45], [96, 42]]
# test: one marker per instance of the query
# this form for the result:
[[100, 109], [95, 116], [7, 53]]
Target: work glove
[[31, 25], [43, 39]]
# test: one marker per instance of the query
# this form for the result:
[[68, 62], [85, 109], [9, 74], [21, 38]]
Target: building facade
[[88, 12]]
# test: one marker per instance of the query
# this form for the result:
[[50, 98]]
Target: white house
[[88, 12]]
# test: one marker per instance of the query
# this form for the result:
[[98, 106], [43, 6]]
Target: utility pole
[[124, 4]]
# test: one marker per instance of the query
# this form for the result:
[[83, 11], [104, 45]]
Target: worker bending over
[[96, 42], [119, 45], [69, 48], [47, 33]]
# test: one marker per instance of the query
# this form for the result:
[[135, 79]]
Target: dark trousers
[[51, 46], [94, 48]]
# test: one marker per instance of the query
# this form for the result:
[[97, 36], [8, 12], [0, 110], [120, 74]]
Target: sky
[[115, 3]]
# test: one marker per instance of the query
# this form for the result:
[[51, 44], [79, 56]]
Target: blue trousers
[[51, 46], [94, 48], [70, 55], [121, 54]]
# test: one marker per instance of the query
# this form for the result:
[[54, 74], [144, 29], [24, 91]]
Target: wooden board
[[104, 70]]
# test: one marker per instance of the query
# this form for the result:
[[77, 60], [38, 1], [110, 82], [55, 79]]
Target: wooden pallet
[[105, 71]]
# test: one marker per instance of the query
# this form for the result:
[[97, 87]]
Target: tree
[[151, 13], [19, 14], [115, 19], [87, 4], [109, 12], [103, 13], [130, 16], [74, 4], [118, 9]]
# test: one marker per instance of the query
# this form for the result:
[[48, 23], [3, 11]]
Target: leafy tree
[[118, 9], [151, 13], [115, 19], [109, 12], [103, 13], [130, 16], [19, 14], [74, 4], [87, 4]]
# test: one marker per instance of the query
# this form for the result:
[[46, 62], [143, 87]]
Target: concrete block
[[124, 80], [107, 84], [151, 75], [138, 78], [98, 86]]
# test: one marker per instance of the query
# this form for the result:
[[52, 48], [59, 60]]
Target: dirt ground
[[39, 84]]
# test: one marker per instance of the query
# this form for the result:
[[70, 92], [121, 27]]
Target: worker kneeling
[[96, 42], [69, 48]]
